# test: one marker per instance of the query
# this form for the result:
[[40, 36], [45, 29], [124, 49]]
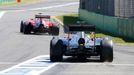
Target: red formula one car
[[41, 24]]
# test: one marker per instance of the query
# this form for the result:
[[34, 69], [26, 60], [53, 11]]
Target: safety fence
[[115, 25], [7, 1]]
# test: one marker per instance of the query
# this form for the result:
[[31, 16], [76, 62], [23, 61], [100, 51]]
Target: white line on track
[[1, 14], [56, 6], [34, 66], [47, 7], [40, 64]]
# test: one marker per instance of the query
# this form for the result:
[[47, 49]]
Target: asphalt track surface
[[16, 48]]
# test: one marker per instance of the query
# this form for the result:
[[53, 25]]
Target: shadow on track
[[36, 34], [79, 60]]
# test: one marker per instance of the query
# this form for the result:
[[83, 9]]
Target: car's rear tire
[[21, 26], [106, 53], [56, 52], [27, 28], [55, 30]]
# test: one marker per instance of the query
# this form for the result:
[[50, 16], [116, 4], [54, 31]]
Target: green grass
[[23, 2], [116, 39], [73, 18]]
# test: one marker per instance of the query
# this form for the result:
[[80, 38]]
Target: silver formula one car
[[80, 44]]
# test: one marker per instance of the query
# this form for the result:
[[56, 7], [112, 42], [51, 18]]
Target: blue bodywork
[[72, 42], [73, 47]]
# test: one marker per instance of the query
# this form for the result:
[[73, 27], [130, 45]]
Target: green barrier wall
[[115, 25], [110, 24], [126, 27], [7, 1]]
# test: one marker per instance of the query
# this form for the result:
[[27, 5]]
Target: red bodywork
[[44, 22], [47, 23]]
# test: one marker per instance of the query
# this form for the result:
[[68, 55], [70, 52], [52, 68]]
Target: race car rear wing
[[42, 16], [90, 28]]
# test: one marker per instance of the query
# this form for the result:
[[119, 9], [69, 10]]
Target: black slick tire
[[106, 53], [56, 52], [27, 28], [21, 26], [55, 30]]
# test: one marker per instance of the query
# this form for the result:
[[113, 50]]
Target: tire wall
[[114, 25]]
